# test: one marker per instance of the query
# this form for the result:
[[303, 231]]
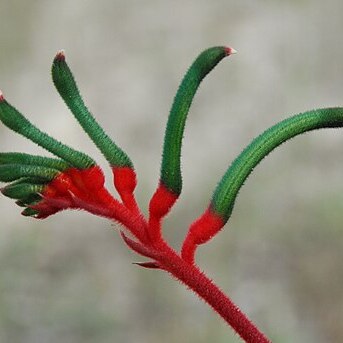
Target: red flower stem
[[190, 275], [154, 230], [115, 210], [198, 282], [159, 206], [200, 232], [125, 182], [130, 202], [150, 243]]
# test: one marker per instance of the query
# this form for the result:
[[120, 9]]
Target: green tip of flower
[[32, 199], [68, 89], [225, 194], [33, 160], [21, 190], [171, 159], [29, 212], [15, 121], [12, 172]]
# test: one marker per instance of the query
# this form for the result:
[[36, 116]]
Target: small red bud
[[60, 56], [230, 51]]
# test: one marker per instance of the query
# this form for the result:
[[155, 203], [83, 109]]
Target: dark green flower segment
[[32, 160], [67, 88], [171, 164], [33, 174], [226, 192], [15, 121]]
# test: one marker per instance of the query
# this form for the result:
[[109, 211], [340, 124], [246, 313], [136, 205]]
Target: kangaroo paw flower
[[170, 184], [43, 186]]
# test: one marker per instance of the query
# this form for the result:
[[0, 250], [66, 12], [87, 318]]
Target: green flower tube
[[226, 192], [67, 88], [171, 158], [15, 121]]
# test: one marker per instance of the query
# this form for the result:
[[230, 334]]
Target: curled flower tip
[[1, 96], [60, 56], [230, 51]]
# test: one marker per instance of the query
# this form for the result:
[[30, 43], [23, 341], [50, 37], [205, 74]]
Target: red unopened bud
[[230, 51], [60, 56]]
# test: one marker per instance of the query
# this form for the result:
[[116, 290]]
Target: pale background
[[69, 278]]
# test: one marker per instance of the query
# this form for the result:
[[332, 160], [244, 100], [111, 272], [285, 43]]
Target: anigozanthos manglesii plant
[[45, 185]]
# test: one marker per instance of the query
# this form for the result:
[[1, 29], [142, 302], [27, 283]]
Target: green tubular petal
[[20, 203], [30, 200], [14, 120], [171, 159], [226, 192], [21, 190], [12, 172], [31, 180], [67, 88], [34, 160], [29, 212]]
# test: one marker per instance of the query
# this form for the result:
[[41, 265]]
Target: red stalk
[[165, 258], [160, 204], [198, 282], [125, 182], [200, 232], [84, 189]]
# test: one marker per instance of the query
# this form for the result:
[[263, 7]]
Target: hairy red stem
[[166, 258], [198, 282], [84, 189]]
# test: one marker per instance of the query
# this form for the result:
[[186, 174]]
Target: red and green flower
[[72, 180]]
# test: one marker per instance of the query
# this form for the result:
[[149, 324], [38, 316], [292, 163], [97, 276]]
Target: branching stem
[[166, 258]]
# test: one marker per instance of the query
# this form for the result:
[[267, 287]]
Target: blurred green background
[[69, 278]]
